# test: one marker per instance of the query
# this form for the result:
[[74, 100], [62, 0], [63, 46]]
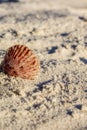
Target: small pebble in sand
[[2, 53], [20, 61]]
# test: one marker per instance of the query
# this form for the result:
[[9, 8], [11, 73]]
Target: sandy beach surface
[[56, 31]]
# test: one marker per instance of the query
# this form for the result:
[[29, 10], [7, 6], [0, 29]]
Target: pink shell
[[20, 61]]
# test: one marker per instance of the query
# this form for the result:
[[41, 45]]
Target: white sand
[[57, 32]]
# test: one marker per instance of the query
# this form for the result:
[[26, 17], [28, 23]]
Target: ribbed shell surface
[[20, 61]]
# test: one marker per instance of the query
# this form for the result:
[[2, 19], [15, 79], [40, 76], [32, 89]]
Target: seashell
[[20, 61]]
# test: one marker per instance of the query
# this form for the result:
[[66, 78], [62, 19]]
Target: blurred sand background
[[56, 30]]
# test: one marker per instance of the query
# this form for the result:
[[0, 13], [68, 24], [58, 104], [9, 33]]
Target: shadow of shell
[[20, 61]]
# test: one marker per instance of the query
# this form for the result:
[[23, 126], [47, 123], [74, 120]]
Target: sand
[[56, 31]]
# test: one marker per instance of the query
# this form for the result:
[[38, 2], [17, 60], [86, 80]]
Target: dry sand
[[57, 32]]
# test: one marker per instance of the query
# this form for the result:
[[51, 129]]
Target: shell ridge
[[23, 55], [15, 48], [16, 51], [21, 51]]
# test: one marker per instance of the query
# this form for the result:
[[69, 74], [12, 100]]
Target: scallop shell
[[20, 61]]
